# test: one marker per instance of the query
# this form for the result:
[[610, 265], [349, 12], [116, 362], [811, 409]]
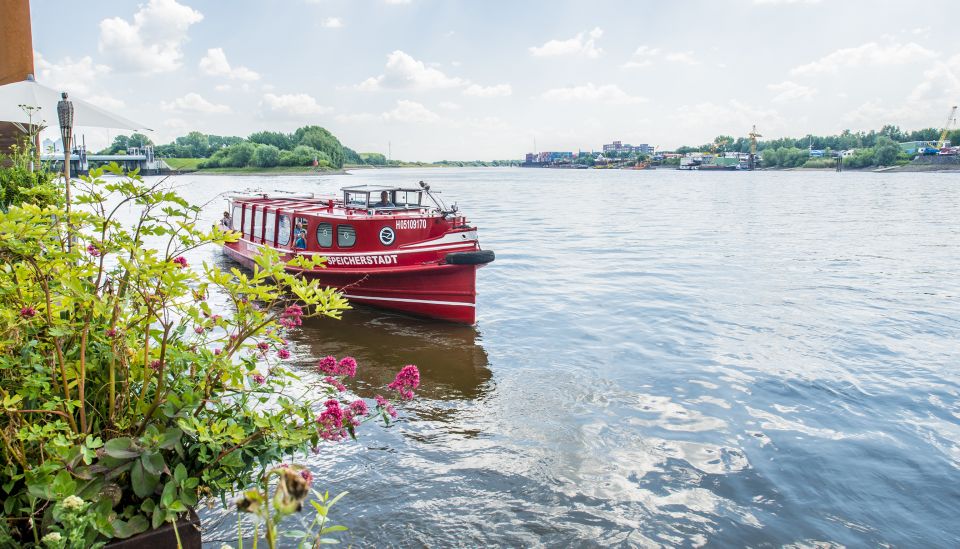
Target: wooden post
[[16, 58]]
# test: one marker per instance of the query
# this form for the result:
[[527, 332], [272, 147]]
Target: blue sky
[[446, 79]]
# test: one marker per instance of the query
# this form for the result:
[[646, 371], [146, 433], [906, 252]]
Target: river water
[[662, 358]]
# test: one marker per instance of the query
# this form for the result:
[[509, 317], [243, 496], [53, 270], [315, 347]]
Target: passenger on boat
[[300, 237], [226, 221], [384, 201]]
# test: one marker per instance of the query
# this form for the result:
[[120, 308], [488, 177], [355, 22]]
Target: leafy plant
[[119, 383]]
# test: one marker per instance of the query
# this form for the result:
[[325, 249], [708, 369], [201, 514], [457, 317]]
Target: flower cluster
[[385, 405], [180, 261], [330, 421], [408, 379], [28, 312], [347, 366], [290, 317], [93, 250]]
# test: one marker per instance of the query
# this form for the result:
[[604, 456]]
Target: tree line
[[307, 146]]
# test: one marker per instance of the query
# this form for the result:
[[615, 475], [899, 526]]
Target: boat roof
[[378, 188]]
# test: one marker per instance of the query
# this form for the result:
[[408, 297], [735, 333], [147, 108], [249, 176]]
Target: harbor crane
[[951, 121], [753, 146]]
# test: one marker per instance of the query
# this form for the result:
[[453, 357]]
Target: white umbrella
[[33, 94]]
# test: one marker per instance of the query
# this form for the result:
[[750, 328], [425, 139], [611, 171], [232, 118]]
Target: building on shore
[[619, 148], [16, 57]]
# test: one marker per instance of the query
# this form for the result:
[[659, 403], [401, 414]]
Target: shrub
[[266, 156], [122, 392]]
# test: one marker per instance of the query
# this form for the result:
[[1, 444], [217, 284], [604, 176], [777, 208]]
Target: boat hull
[[442, 291]]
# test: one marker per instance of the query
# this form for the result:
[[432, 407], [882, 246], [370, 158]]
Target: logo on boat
[[387, 236]]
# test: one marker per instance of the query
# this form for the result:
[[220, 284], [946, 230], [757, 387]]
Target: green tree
[[321, 140], [886, 151], [266, 156], [279, 140], [374, 159]]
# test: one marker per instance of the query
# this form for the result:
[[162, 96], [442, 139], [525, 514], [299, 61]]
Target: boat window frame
[[306, 232], [248, 220], [347, 203], [286, 233], [329, 225], [270, 227], [236, 217], [352, 229]]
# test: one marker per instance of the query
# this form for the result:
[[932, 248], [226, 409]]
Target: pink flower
[[408, 378], [217, 318], [233, 337], [335, 382], [258, 379], [198, 330], [290, 317], [359, 407], [347, 366], [328, 365], [385, 404], [181, 261], [155, 365], [331, 421], [217, 351], [28, 312], [284, 354], [93, 250], [263, 346], [307, 475], [110, 332]]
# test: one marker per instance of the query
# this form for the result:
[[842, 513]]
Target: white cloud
[[69, 75], [332, 23], [193, 102], [791, 91], [608, 93], [299, 104], [685, 57], [777, 2], [703, 121], [645, 56], [450, 106], [411, 112], [500, 90], [215, 63], [870, 54], [403, 72], [153, 41], [397, 2], [583, 44]]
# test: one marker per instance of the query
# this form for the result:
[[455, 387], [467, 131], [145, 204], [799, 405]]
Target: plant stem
[[176, 533]]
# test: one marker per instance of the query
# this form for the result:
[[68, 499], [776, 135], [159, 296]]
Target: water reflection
[[453, 365]]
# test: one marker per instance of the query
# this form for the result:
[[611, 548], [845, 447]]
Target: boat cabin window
[[324, 235], [248, 220], [346, 236], [269, 227], [236, 219], [257, 224], [407, 199], [356, 199], [283, 233], [300, 233]]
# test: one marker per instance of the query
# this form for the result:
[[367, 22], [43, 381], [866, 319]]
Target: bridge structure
[[136, 157]]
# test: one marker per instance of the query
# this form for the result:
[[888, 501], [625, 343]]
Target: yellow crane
[[753, 139], [951, 120]]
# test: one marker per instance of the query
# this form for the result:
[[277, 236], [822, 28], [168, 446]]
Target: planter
[[163, 538]]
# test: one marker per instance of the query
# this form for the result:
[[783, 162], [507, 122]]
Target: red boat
[[385, 246]]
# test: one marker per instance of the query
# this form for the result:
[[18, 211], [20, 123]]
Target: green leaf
[[329, 541], [121, 447], [336, 528], [169, 494], [180, 473], [294, 534], [144, 483], [134, 526], [153, 462]]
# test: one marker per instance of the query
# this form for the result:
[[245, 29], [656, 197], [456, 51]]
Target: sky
[[462, 80]]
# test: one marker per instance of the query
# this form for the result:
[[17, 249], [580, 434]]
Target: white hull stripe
[[468, 236], [407, 300]]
